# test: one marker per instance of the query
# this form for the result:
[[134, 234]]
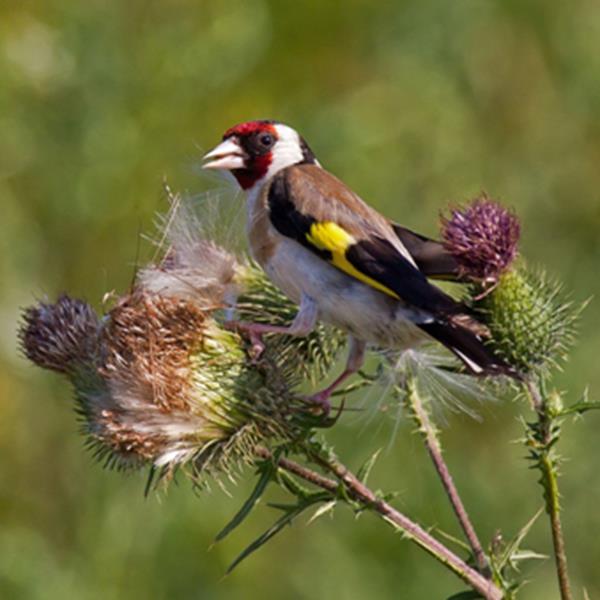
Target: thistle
[[160, 380], [483, 237], [531, 324], [163, 383], [60, 337]]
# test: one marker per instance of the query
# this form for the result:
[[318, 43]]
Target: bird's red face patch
[[250, 127], [256, 138]]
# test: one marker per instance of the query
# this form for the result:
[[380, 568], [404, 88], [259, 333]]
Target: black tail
[[469, 347]]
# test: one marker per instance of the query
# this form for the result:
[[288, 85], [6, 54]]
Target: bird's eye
[[266, 139]]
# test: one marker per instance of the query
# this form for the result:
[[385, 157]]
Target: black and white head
[[255, 151]]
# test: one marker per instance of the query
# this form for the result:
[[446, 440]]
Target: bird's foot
[[319, 402], [320, 407], [254, 334]]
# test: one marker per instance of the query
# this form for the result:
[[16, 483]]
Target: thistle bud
[[531, 326], [60, 336], [483, 237]]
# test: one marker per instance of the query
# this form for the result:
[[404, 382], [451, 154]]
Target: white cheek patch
[[287, 150]]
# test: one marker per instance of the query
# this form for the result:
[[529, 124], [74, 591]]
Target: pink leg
[[356, 357], [255, 331], [303, 323]]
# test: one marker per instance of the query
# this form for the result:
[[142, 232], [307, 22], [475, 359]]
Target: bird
[[340, 260]]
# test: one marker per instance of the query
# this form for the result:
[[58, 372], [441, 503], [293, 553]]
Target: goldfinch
[[339, 259]]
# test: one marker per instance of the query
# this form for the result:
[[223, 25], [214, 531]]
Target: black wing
[[367, 255], [431, 256]]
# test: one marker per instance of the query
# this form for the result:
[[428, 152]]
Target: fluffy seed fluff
[[159, 380], [437, 377]]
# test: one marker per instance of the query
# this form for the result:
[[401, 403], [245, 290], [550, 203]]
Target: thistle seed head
[[163, 382], [147, 343]]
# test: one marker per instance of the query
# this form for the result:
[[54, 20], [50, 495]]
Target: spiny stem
[[359, 492], [553, 507], [535, 397], [542, 436], [430, 437]]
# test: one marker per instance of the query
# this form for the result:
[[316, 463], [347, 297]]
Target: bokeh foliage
[[414, 104]]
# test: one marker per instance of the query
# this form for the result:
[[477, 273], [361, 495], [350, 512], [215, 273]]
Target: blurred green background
[[414, 104]]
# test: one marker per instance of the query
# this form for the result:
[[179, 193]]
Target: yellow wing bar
[[330, 236]]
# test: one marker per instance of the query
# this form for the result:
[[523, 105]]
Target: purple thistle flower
[[483, 237]]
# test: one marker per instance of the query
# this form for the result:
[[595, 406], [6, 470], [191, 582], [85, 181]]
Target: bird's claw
[[257, 346], [321, 408], [319, 402]]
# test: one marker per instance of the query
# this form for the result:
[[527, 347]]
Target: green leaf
[[511, 552], [462, 545], [291, 512], [286, 519], [291, 485], [580, 407], [286, 508], [322, 510], [257, 492], [307, 501], [365, 470], [521, 555]]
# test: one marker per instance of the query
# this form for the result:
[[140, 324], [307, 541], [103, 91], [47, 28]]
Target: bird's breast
[[343, 301], [262, 236]]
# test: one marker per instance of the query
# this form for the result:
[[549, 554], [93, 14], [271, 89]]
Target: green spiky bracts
[[530, 323]]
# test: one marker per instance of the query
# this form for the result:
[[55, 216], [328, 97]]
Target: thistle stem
[[543, 438], [359, 492], [430, 437], [553, 507]]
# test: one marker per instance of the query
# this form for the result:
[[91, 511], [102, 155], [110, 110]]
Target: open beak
[[227, 155]]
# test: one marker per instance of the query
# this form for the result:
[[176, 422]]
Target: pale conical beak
[[227, 155]]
